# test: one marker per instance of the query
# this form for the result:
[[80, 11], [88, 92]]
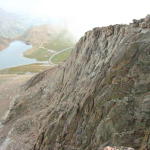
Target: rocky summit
[[98, 99]]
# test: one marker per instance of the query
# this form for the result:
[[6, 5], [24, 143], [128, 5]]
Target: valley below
[[13, 55], [27, 43]]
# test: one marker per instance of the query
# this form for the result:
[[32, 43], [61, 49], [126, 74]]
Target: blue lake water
[[13, 55]]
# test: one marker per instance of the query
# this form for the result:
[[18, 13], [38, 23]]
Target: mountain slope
[[37, 35], [99, 97], [44, 38]]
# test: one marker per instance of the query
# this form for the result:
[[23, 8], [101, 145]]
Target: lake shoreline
[[13, 56]]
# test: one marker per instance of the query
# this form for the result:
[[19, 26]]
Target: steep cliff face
[[99, 97]]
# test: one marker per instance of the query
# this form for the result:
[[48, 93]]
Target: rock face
[[100, 97]]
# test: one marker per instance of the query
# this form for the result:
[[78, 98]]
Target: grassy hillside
[[45, 38], [60, 41], [31, 68], [40, 54], [61, 57]]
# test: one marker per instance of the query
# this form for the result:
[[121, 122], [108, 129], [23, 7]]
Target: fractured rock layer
[[99, 97]]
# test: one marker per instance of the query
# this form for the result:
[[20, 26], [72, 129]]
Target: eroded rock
[[99, 97]]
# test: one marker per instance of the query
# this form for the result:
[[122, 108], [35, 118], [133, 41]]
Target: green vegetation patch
[[58, 44], [60, 41], [61, 57], [31, 68], [40, 54]]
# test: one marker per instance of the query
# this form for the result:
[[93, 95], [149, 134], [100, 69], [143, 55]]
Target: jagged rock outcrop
[[100, 97]]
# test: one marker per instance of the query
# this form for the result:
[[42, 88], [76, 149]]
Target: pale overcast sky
[[82, 15]]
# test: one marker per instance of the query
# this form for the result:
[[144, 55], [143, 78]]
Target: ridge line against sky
[[81, 15]]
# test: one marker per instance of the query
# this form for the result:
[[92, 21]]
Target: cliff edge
[[100, 97]]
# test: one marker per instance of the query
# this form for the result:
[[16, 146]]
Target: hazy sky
[[82, 15]]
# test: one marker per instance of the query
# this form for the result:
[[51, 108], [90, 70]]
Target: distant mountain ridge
[[13, 25], [38, 35]]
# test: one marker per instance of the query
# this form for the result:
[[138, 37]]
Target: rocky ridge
[[100, 97]]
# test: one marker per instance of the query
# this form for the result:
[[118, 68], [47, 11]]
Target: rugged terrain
[[99, 97]]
